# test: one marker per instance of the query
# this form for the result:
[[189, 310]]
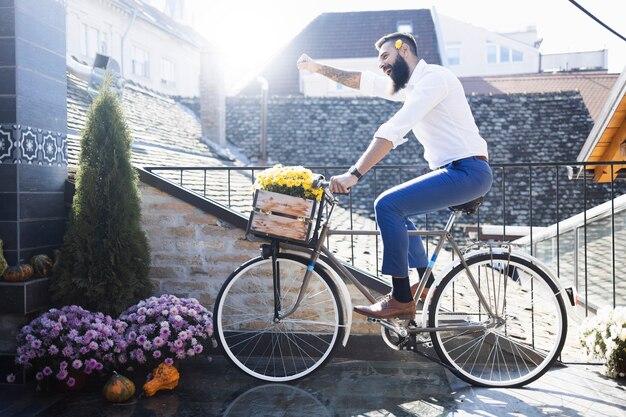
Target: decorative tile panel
[[21, 144]]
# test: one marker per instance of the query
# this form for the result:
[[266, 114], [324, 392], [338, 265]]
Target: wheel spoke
[[285, 349], [530, 326]]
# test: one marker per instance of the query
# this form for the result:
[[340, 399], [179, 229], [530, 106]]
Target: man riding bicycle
[[436, 110]]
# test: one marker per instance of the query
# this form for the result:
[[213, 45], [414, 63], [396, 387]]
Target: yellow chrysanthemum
[[291, 180]]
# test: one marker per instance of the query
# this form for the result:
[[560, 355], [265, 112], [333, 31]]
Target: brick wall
[[194, 252]]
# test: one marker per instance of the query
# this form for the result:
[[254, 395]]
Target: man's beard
[[399, 74]]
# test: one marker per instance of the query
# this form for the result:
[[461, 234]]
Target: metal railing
[[555, 203]]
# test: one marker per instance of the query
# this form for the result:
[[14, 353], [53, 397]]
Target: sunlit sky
[[250, 32]]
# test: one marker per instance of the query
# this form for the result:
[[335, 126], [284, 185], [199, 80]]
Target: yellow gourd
[[164, 377]]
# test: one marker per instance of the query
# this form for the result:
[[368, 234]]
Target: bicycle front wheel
[[515, 346], [271, 349]]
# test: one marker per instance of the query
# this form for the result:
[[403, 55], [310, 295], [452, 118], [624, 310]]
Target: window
[[505, 54], [92, 41], [453, 53], [498, 54], [167, 72], [492, 53], [140, 62], [405, 26]]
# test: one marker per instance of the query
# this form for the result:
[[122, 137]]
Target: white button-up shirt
[[435, 108]]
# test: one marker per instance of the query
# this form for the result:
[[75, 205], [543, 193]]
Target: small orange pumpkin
[[118, 388], [164, 377], [18, 273]]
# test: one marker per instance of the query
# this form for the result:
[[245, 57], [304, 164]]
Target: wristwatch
[[354, 171]]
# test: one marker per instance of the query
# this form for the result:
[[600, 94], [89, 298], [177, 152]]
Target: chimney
[[212, 97]]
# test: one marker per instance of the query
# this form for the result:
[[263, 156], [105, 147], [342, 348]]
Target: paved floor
[[346, 387]]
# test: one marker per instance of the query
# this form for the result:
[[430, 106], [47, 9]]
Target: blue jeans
[[456, 183]]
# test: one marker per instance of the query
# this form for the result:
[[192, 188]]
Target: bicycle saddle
[[470, 207]]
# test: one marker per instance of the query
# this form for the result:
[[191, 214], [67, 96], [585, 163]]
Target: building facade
[[151, 48]]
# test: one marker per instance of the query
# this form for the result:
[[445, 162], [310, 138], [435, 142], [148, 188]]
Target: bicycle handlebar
[[320, 182]]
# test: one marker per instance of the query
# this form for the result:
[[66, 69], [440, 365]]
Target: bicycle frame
[[334, 263]]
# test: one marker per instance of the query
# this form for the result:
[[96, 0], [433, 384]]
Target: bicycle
[[494, 318]]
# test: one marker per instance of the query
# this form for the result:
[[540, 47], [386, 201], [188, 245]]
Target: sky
[[251, 32]]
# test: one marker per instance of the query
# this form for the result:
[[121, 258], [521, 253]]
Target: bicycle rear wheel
[[278, 350], [531, 321]]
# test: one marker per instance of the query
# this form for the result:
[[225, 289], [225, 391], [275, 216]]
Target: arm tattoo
[[350, 79]]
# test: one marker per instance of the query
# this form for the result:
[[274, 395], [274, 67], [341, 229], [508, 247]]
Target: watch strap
[[354, 171]]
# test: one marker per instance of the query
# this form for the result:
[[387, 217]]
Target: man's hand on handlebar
[[341, 184]]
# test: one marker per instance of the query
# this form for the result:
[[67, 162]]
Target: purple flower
[[197, 349], [169, 361], [63, 365], [62, 374], [68, 351], [36, 344], [70, 382], [11, 378], [47, 371], [39, 376], [156, 354]]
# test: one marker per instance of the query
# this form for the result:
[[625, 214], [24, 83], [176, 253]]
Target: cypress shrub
[[105, 259]]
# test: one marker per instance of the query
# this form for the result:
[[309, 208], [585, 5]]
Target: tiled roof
[[594, 87], [326, 131], [155, 120], [345, 35], [164, 132]]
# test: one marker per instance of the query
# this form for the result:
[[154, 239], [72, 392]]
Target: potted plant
[[68, 343], [165, 329], [604, 337]]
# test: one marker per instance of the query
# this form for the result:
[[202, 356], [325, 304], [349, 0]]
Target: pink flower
[[197, 348], [156, 354]]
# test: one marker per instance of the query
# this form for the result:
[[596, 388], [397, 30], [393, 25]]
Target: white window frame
[[501, 54], [453, 52], [402, 25], [491, 51], [140, 62], [168, 72], [92, 41]]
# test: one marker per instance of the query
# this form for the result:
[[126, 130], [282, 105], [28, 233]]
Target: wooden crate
[[282, 216]]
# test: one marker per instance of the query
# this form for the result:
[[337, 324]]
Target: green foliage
[[104, 263]]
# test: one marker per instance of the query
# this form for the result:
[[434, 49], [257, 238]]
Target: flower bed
[[63, 342]]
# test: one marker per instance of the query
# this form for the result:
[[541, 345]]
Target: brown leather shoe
[[414, 291], [387, 308]]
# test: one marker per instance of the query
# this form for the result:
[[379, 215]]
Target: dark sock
[[401, 289], [431, 278]]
